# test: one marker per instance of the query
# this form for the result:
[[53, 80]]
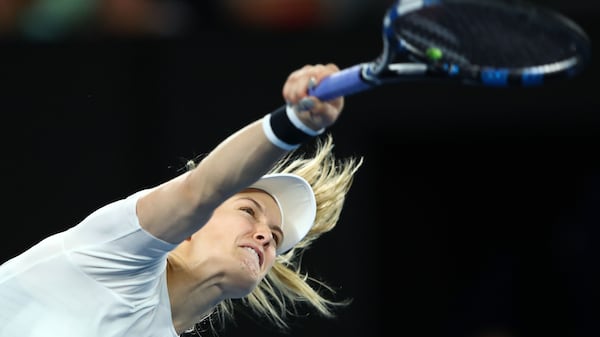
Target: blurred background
[[476, 213]]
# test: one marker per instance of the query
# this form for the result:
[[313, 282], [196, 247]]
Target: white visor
[[297, 204]]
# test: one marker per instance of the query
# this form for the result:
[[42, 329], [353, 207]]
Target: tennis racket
[[496, 43]]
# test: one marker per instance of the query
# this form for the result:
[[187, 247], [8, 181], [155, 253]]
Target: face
[[239, 241]]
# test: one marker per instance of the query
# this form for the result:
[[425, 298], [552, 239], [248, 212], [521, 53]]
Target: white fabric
[[105, 277], [266, 126], [293, 117], [297, 204]]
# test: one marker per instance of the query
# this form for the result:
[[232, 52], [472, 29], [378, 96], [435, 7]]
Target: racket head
[[485, 42]]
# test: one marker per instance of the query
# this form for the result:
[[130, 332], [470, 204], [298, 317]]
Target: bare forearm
[[234, 164], [178, 208]]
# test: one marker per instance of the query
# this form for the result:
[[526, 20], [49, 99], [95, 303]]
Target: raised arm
[[179, 207]]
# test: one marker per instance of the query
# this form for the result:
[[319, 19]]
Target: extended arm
[[179, 207]]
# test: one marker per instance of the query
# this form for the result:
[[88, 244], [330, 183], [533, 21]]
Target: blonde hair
[[286, 285]]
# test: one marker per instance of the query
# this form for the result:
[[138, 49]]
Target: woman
[[157, 262]]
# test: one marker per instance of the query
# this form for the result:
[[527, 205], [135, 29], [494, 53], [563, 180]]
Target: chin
[[241, 291], [244, 284]]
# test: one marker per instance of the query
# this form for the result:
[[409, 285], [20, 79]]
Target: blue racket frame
[[368, 75]]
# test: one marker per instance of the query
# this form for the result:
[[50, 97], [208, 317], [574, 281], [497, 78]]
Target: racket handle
[[346, 82]]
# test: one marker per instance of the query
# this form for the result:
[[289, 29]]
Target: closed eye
[[276, 238], [248, 210]]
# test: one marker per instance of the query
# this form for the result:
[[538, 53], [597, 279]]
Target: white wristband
[[291, 113], [266, 125]]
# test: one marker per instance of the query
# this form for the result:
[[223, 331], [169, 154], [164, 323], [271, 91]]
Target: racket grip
[[346, 82]]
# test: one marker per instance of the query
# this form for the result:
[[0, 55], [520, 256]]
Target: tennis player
[[229, 230]]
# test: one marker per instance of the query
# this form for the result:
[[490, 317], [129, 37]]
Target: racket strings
[[472, 34]]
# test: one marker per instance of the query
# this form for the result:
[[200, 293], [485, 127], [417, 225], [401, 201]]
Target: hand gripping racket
[[496, 43]]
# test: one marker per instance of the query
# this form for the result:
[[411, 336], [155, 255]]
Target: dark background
[[475, 213]]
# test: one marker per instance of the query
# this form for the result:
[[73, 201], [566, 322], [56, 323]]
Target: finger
[[298, 85], [321, 71], [300, 81], [307, 104], [312, 82]]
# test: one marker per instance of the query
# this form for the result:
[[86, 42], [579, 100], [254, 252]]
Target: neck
[[192, 298]]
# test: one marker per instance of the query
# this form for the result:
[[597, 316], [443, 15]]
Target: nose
[[263, 235]]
